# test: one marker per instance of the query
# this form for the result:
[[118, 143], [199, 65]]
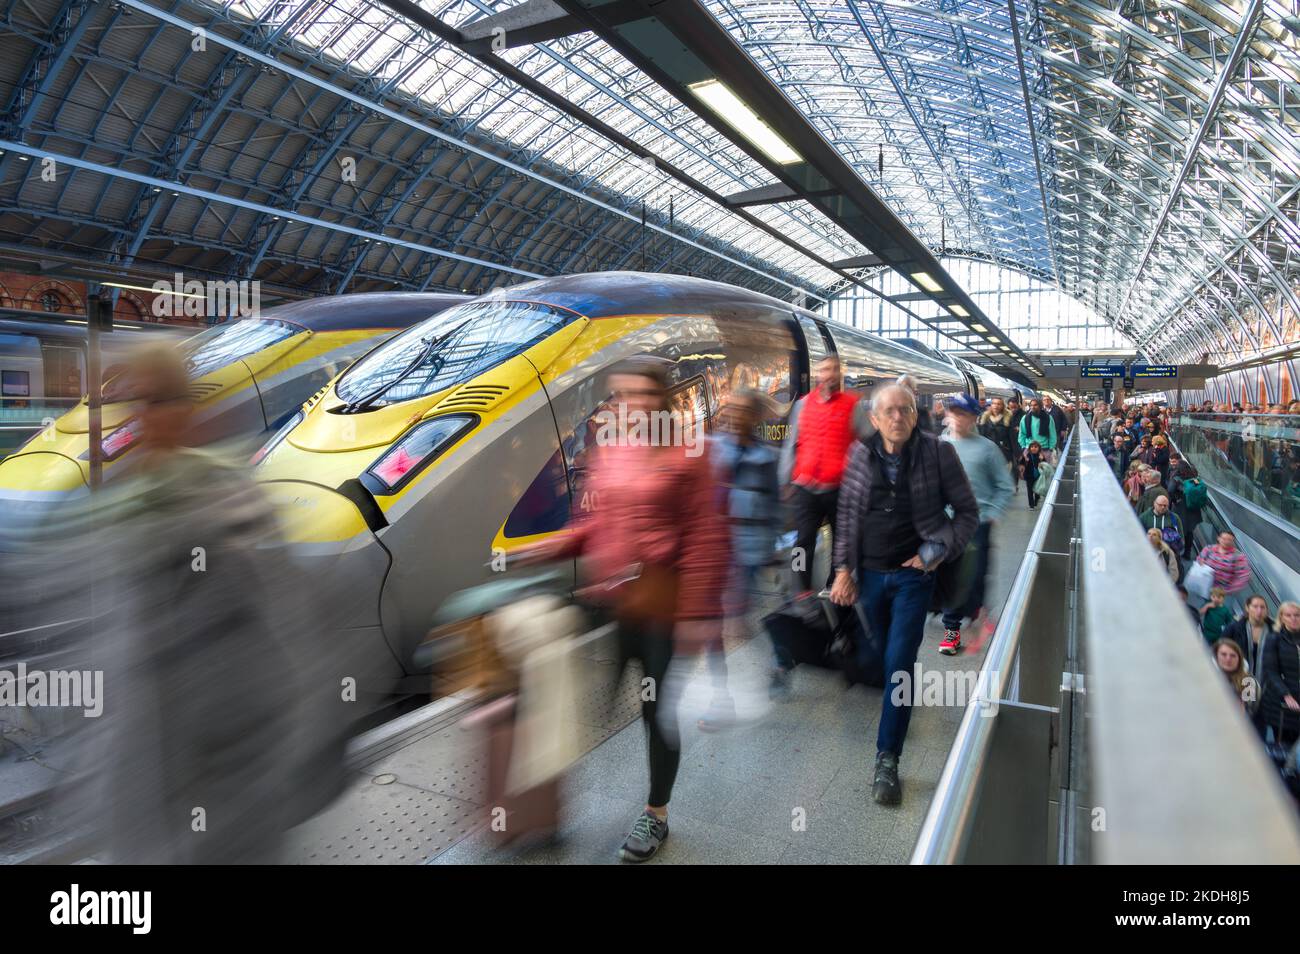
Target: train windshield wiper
[[430, 346]]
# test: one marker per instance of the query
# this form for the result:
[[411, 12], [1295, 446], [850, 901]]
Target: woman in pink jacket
[[657, 555]]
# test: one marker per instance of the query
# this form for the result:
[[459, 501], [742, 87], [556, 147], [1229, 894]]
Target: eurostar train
[[247, 376], [468, 434], [981, 382]]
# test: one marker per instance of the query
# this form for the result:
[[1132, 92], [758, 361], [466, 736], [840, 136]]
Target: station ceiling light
[[961, 310], [727, 105], [926, 281], [978, 327]]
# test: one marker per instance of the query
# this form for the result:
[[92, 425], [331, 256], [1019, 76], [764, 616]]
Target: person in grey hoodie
[[986, 469]]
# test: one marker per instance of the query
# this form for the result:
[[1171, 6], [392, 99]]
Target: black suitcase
[[816, 632]]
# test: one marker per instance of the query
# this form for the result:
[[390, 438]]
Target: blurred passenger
[[1279, 671], [995, 425], [1038, 426], [813, 459], [1014, 414], [986, 469], [1031, 463], [1230, 566], [208, 747], [1168, 559], [893, 533], [1215, 615], [1250, 630], [747, 470], [658, 557]]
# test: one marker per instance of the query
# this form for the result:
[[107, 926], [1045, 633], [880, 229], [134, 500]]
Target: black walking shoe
[[886, 789], [647, 835]]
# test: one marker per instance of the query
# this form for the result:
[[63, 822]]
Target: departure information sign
[[1102, 371], [1154, 370]]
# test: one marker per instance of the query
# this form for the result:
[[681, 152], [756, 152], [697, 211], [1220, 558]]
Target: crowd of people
[[912, 509], [1251, 449], [1259, 656]]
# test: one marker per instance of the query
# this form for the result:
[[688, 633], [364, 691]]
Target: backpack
[[1194, 493], [1172, 537]]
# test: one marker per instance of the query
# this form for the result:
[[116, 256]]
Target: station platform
[[417, 798]]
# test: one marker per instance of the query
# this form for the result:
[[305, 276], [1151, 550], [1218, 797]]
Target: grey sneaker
[[649, 832], [886, 789]]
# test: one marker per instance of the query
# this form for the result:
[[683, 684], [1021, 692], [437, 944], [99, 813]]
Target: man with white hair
[[893, 533]]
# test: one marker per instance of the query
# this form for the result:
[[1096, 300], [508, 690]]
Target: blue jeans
[[953, 615], [895, 604]]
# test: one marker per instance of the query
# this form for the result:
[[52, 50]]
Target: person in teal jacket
[[1037, 426]]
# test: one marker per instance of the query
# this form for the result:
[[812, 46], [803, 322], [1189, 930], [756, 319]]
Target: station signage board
[[1101, 371], [1154, 370]]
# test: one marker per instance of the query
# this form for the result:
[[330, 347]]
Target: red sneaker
[[951, 642]]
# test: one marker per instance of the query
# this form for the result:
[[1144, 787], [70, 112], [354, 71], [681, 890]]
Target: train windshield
[[447, 349], [213, 349]]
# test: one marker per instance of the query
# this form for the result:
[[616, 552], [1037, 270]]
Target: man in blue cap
[[986, 469]]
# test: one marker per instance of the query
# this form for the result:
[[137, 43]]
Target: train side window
[[549, 501], [544, 506], [15, 384]]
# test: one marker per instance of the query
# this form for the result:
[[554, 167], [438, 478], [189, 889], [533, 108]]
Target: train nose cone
[[34, 482]]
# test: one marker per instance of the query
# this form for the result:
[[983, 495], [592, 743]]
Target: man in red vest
[[813, 458]]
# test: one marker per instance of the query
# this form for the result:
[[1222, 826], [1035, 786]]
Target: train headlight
[[413, 452], [117, 442], [277, 437]]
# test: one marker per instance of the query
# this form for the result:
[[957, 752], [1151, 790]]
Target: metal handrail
[[947, 824], [1181, 776], [1177, 775]]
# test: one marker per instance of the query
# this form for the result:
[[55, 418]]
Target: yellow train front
[[468, 433]]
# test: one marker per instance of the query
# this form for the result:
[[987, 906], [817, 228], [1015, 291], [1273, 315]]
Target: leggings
[[652, 644]]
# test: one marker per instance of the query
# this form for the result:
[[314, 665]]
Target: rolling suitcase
[[534, 811], [814, 631]]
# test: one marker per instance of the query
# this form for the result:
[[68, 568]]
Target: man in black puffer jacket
[[892, 533]]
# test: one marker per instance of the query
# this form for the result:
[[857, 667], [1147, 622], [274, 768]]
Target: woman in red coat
[[657, 556]]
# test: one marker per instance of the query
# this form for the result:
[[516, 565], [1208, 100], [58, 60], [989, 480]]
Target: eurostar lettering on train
[[470, 432], [247, 376]]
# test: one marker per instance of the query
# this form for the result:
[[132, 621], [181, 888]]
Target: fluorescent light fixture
[[926, 281], [977, 327], [727, 105], [991, 339], [1005, 348], [959, 310]]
